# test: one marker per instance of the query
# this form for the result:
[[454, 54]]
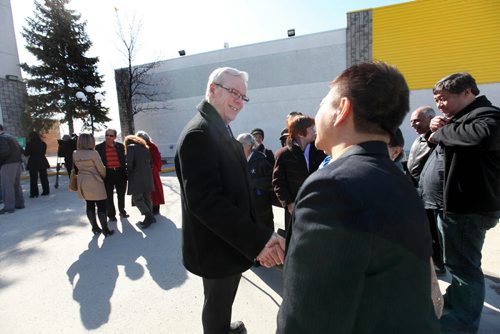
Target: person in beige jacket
[[91, 172]]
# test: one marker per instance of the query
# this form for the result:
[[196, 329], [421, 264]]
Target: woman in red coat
[[157, 196]]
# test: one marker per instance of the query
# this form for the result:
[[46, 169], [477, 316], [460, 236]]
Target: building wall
[[430, 39], [421, 38], [285, 75], [9, 59], [12, 91]]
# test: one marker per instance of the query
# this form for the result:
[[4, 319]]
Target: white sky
[[193, 25]]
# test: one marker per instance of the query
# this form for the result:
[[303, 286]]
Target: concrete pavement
[[56, 278]]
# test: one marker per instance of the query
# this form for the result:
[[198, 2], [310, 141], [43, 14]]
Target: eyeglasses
[[110, 136], [234, 93]]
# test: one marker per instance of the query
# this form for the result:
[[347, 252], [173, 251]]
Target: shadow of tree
[[97, 268]]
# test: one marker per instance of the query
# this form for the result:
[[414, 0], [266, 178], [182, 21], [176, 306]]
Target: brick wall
[[51, 138]]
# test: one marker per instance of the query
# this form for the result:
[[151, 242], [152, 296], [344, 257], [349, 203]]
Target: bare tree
[[135, 85]]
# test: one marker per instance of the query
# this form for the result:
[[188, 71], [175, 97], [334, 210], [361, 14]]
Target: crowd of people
[[100, 170], [352, 263]]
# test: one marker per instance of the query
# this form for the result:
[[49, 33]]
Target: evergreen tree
[[57, 38]]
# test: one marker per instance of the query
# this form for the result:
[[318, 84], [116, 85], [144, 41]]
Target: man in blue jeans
[[462, 179]]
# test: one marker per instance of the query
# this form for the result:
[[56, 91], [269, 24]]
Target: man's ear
[[344, 111], [212, 88]]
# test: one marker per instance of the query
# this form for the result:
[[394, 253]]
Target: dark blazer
[[290, 171], [36, 150], [358, 251], [220, 234], [120, 149]]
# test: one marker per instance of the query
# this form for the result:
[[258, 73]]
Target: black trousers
[[115, 179], [217, 308], [34, 181]]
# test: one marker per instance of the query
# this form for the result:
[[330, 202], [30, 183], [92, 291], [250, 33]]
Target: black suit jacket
[[120, 149], [220, 234], [358, 251]]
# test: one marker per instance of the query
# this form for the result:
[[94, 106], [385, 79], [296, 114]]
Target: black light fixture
[[182, 53], [291, 32], [11, 77]]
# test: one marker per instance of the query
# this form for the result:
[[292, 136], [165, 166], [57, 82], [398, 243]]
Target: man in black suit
[[354, 263], [221, 238], [113, 157]]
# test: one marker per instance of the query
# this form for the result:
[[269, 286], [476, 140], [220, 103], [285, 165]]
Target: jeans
[[463, 238]]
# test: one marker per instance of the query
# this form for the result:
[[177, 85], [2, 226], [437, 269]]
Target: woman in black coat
[[260, 171], [37, 164], [140, 177]]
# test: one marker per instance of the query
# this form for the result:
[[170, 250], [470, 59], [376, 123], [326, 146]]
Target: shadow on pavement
[[273, 279], [97, 268], [42, 219]]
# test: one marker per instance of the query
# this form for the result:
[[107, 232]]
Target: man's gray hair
[[218, 75], [247, 139]]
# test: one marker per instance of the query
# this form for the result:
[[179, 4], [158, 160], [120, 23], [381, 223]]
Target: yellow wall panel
[[429, 39]]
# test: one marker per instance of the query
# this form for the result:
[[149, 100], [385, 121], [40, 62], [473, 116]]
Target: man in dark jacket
[[419, 153], [354, 264], [221, 238], [465, 185], [420, 150], [113, 157], [10, 173], [258, 134]]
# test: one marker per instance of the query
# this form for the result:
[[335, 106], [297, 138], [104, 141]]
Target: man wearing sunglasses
[[113, 157], [221, 238]]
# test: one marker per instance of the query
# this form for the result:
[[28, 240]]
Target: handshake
[[273, 253]]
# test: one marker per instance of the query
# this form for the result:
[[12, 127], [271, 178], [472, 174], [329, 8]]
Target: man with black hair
[[462, 179], [353, 263]]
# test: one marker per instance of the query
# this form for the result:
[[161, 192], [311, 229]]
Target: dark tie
[[230, 132]]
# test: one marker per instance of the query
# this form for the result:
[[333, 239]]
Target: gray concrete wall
[[12, 92], [285, 75], [9, 59]]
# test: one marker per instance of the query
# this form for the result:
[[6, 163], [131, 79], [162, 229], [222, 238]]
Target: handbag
[[73, 181]]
